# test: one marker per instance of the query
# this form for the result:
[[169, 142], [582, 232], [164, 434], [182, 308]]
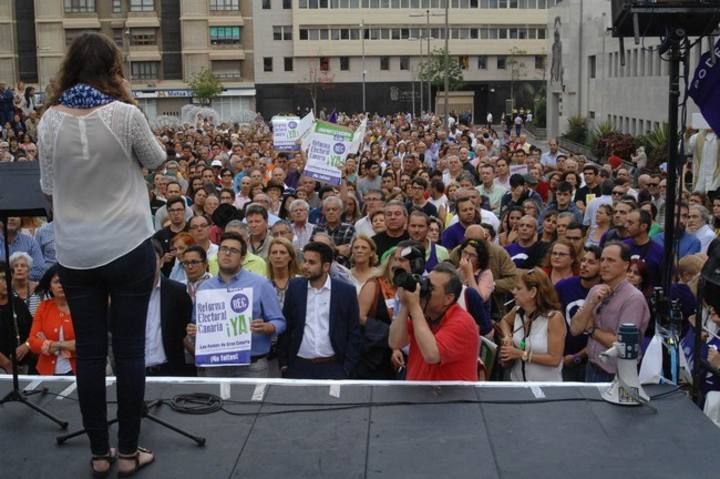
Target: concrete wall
[[632, 98]]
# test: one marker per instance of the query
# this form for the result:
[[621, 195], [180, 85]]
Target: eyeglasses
[[229, 250], [199, 227], [618, 193], [559, 253], [192, 262]]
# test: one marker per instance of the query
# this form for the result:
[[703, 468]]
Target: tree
[[205, 86], [518, 69], [315, 82], [433, 69]]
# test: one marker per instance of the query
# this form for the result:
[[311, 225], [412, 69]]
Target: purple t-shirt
[[520, 255], [652, 253], [453, 236], [572, 296]]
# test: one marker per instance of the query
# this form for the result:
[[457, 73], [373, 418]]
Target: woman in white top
[[533, 331], [93, 143], [364, 258]]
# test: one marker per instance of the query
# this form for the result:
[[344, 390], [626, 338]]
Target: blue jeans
[[126, 283], [596, 374]]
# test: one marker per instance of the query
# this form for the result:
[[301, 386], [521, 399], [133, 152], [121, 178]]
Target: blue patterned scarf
[[84, 96]]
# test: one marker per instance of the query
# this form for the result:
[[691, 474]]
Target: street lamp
[[127, 34], [447, 62], [362, 40], [427, 16]]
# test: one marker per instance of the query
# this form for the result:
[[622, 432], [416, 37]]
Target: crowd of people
[[538, 251]]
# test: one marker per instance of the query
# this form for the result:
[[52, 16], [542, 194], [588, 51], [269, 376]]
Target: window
[[501, 63], [118, 36], [482, 63], [79, 6], [227, 69], [384, 63], [464, 62], [282, 32], [142, 5], [404, 63], [266, 5], [145, 70], [224, 35], [267, 64], [592, 65], [288, 63], [220, 5], [539, 62], [324, 64], [117, 6], [72, 34], [143, 36], [345, 63], [303, 34], [287, 4]]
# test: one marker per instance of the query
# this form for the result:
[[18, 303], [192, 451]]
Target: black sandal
[[110, 458], [136, 457]]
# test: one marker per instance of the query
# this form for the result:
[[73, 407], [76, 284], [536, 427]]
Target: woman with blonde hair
[[533, 332], [282, 265], [178, 245], [363, 258]]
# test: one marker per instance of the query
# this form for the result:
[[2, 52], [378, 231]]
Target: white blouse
[[92, 167]]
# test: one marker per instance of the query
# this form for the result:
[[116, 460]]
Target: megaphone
[[625, 389]]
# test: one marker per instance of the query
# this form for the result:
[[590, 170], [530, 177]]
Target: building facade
[[589, 77], [165, 43], [315, 51]]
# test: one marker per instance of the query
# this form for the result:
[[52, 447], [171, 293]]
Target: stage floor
[[343, 429]]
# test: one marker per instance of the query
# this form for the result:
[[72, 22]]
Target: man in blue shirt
[[268, 319], [22, 242], [688, 243], [572, 292]]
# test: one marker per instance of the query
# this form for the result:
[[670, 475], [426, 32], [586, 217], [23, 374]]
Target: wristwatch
[[525, 356]]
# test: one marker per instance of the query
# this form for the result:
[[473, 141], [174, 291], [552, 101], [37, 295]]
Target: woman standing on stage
[[93, 131]]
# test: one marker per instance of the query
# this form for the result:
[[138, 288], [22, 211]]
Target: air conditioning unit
[[652, 18]]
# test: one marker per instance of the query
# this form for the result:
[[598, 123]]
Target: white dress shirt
[[154, 350], [316, 335], [706, 235]]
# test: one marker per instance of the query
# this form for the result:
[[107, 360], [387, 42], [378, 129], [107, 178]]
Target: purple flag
[[333, 117], [705, 88]]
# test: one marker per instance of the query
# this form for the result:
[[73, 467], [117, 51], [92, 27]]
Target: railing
[[576, 148]]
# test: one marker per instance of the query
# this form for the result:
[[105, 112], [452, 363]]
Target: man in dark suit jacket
[[322, 339], [170, 309]]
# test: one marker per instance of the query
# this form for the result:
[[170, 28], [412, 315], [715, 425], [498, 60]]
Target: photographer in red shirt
[[444, 339]]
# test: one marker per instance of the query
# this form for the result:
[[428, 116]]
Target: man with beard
[[637, 224], [688, 243], [618, 232], [572, 293], [323, 338]]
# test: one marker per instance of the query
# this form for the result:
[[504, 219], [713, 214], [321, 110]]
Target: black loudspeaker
[[651, 18]]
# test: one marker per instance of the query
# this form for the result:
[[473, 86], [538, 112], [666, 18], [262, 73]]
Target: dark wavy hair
[[95, 60]]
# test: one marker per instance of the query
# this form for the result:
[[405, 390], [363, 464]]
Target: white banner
[[223, 327]]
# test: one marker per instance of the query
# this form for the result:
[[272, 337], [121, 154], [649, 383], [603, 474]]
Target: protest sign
[[329, 145], [223, 327], [286, 132]]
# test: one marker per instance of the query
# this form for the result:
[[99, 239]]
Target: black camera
[[408, 282]]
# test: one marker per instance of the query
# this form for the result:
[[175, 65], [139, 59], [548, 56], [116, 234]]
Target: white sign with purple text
[[223, 321]]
